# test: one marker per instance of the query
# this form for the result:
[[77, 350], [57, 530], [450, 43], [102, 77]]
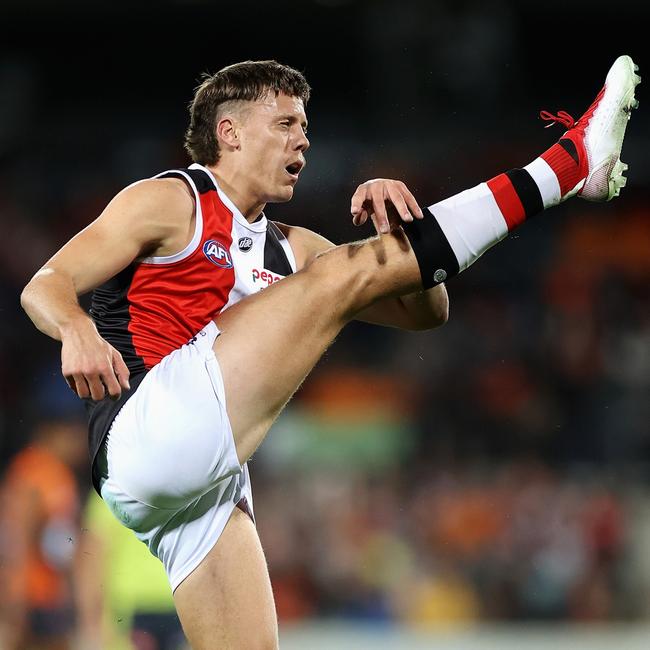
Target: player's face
[[273, 144]]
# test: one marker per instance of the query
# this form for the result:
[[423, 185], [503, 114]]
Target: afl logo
[[245, 244], [217, 253]]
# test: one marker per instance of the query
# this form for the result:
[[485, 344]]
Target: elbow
[[432, 322], [441, 310], [28, 295], [442, 316], [444, 310], [25, 297], [436, 316]]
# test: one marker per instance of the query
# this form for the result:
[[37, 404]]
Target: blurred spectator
[[124, 601], [507, 541], [39, 508]]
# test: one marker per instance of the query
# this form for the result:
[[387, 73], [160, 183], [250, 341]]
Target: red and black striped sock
[[467, 224], [548, 180]]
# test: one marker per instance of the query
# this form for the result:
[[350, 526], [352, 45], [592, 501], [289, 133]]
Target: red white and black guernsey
[[157, 304]]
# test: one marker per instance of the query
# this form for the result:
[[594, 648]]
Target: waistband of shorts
[[205, 337]]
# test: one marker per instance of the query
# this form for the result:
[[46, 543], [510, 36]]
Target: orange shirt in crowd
[[40, 506]]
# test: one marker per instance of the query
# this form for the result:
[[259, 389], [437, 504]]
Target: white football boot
[[598, 134]]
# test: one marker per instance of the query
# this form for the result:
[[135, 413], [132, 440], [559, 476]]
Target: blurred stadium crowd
[[496, 469]]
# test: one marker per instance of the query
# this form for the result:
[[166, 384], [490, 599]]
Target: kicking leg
[[270, 341]]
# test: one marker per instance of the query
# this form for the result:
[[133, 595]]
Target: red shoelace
[[562, 117], [566, 120]]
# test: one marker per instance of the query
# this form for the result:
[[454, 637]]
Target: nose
[[302, 141]]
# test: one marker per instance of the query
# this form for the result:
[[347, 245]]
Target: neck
[[236, 189]]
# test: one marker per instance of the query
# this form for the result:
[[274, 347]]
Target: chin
[[282, 196]]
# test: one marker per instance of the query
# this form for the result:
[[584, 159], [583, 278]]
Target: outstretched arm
[[142, 218]]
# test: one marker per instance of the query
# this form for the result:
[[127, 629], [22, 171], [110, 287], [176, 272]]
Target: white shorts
[[169, 468]]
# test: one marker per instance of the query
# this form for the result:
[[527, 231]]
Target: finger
[[399, 203], [356, 204], [121, 370], [111, 383], [97, 388], [362, 217], [380, 217], [81, 386], [376, 223], [411, 202], [70, 381]]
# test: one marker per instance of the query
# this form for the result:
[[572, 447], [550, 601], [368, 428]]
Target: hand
[[387, 202], [91, 366]]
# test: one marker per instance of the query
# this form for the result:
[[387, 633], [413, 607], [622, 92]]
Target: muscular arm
[[421, 310], [151, 216]]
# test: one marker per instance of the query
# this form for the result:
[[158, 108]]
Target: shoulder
[[166, 195], [305, 243], [152, 211]]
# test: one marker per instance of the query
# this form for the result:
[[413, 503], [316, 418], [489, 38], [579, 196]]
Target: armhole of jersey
[[256, 226], [286, 246], [198, 226]]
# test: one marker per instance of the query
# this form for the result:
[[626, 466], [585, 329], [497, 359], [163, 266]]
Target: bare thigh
[[227, 602], [270, 341]]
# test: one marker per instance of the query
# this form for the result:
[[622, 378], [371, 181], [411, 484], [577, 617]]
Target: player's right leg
[[270, 341]]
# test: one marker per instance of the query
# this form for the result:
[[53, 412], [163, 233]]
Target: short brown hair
[[245, 81]]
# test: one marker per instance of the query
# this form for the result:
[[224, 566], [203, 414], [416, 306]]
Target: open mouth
[[294, 169]]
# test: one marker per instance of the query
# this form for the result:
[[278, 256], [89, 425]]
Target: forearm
[[50, 300], [427, 309], [91, 366]]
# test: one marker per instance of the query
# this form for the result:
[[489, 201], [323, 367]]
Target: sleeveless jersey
[[157, 304]]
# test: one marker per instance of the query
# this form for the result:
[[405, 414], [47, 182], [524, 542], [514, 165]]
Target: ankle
[[567, 159]]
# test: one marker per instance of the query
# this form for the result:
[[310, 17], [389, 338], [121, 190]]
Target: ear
[[228, 132]]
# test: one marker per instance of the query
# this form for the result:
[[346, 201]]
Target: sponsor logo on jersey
[[217, 253], [266, 277], [245, 244]]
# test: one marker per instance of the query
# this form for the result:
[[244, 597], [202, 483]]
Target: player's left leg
[[228, 604]]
